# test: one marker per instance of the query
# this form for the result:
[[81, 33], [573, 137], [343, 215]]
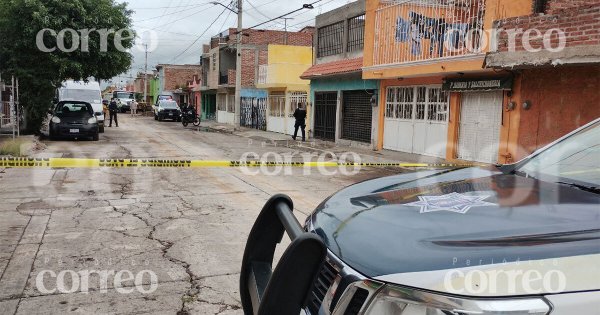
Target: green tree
[[40, 72]]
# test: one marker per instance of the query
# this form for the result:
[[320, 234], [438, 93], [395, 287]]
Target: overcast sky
[[178, 23]]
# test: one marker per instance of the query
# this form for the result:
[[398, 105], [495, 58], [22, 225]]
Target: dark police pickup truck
[[512, 239]]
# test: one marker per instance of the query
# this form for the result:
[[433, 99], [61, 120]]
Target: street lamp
[[224, 6]]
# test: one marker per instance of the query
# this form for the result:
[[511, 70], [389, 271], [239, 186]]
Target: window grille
[[297, 98], [277, 104], [422, 103], [222, 102], [330, 40], [231, 103], [356, 33], [417, 30]]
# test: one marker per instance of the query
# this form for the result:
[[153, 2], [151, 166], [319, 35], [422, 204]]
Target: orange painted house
[[450, 87]]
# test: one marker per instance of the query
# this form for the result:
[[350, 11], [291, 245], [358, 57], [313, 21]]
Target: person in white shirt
[[133, 107]]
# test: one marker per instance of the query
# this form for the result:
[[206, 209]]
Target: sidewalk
[[312, 145]]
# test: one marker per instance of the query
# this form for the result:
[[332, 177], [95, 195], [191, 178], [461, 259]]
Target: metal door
[[480, 122], [416, 120], [253, 113], [357, 115], [325, 112]]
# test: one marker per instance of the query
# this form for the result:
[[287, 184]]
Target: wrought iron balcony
[[409, 31]]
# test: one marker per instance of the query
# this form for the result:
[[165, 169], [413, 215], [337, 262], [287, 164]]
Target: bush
[[11, 147]]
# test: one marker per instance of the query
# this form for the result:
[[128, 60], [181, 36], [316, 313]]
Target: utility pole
[[238, 67], [13, 112], [285, 38], [18, 108], [146, 76]]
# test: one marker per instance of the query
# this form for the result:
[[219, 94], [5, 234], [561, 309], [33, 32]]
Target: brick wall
[[231, 77], [562, 99], [249, 66], [580, 24], [554, 6], [265, 37], [179, 76]]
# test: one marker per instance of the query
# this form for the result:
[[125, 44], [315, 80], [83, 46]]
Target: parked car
[[84, 92], [167, 109], [71, 119], [511, 239]]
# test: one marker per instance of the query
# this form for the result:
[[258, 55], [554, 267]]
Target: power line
[[306, 6], [225, 22], [302, 13], [197, 39], [177, 20], [156, 8], [166, 14], [256, 9]]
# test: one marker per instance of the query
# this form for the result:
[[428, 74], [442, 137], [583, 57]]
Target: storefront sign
[[478, 85]]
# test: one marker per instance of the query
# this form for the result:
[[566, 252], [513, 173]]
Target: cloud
[[178, 23]]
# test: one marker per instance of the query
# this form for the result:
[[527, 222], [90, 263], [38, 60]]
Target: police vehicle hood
[[414, 229]]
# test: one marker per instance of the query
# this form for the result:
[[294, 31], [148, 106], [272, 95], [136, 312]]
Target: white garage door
[[479, 129], [416, 120]]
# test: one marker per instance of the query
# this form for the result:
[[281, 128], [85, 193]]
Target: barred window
[[222, 102], [231, 103], [277, 104], [356, 33], [330, 40], [400, 102], [390, 103], [406, 97], [438, 105], [421, 103], [296, 99]]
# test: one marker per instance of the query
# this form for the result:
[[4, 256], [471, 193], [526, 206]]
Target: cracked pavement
[[188, 227]]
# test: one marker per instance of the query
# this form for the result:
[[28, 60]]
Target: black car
[[510, 239], [167, 109], [72, 119]]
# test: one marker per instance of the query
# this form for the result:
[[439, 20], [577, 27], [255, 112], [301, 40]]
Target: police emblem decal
[[453, 202]]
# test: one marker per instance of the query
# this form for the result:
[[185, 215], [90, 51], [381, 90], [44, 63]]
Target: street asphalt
[[145, 241]]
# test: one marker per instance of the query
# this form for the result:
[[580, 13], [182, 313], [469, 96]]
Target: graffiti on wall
[[434, 36]]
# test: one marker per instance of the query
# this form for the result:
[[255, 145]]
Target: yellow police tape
[[10, 162]]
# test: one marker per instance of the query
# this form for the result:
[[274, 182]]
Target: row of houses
[[412, 76], [477, 80]]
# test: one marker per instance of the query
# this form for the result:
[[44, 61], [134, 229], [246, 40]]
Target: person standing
[[300, 115], [133, 107], [113, 108]]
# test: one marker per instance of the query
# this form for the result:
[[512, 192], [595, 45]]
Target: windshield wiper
[[523, 174], [595, 190]]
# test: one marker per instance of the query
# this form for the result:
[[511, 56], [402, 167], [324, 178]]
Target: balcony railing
[[263, 71], [409, 31]]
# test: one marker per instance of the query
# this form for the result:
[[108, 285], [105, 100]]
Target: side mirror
[[50, 112]]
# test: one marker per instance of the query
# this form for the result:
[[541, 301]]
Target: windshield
[[573, 160], [125, 95], [168, 105], [89, 96], [72, 110]]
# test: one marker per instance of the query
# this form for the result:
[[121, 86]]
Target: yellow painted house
[[280, 77]]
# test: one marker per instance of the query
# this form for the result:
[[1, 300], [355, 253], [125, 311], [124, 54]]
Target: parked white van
[[85, 92]]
